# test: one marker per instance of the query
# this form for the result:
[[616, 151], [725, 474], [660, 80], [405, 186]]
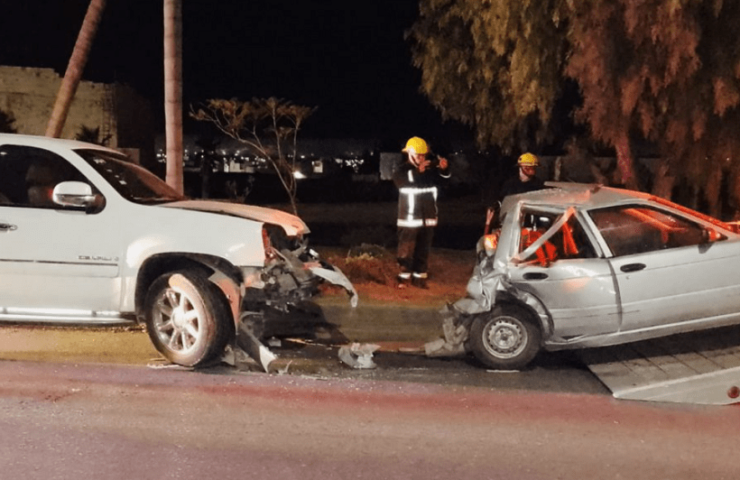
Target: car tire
[[505, 339], [187, 318]]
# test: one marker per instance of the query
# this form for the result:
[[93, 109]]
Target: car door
[[574, 283], [667, 273], [55, 263]]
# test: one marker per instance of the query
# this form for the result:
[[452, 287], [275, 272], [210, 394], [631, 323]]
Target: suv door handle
[[535, 276], [632, 267], [6, 227]]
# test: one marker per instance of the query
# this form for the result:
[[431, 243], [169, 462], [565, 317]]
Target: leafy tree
[[664, 70], [7, 122], [91, 135], [495, 66], [264, 126], [667, 70]]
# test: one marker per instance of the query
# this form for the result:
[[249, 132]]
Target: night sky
[[348, 58]]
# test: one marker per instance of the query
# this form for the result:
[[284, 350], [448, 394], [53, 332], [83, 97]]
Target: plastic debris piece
[[358, 355], [336, 277], [254, 348]]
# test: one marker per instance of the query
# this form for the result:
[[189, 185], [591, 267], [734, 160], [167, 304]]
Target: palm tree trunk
[[76, 65], [173, 92]]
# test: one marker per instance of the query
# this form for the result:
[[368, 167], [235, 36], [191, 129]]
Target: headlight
[[487, 244]]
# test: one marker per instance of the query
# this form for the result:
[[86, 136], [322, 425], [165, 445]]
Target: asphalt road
[[100, 403], [72, 421]]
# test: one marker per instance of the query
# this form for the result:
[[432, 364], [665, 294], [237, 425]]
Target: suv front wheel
[[187, 318]]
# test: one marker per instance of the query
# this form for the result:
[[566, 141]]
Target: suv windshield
[[131, 181]]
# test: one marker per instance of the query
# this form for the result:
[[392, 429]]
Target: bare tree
[[173, 92], [263, 126], [76, 65]]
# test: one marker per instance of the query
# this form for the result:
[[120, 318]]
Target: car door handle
[[6, 227], [535, 276], [632, 267]]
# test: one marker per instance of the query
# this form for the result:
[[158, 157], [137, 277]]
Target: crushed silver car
[[88, 237], [576, 266]]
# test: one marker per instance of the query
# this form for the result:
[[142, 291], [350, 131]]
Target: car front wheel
[[187, 318], [506, 339]]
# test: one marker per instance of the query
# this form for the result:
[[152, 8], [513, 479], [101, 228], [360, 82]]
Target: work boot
[[420, 282]]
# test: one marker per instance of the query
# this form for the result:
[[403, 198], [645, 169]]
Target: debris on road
[[358, 355], [455, 335]]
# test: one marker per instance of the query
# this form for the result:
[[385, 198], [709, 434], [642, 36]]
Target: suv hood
[[292, 225]]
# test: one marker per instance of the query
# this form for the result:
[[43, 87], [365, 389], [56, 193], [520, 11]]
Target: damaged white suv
[[88, 237], [577, 266]]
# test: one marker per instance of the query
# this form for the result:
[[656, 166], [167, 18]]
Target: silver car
[[577, 266]]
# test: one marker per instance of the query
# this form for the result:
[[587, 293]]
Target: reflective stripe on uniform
[[410, 222], [418, 191]]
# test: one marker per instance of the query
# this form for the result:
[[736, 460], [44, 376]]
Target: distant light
[[298, 175]]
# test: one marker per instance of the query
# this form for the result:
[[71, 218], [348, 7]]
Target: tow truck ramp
[[699, 368]]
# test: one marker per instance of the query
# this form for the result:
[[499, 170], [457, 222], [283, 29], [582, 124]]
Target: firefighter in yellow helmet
[[526, 180], [417, 179]]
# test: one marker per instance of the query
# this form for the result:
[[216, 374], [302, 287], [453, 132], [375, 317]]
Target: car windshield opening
[[133, 182]]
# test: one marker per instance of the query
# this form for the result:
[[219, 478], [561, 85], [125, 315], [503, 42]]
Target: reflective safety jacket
[[417, 194]]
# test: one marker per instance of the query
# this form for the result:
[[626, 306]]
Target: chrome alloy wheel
[[178, 318], [505, 337]]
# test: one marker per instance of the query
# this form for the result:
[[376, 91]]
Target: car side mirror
[[75, 194]]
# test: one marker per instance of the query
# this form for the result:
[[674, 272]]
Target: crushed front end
[[275, 299]]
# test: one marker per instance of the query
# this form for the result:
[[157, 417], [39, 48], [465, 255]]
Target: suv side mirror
[[75, 194]]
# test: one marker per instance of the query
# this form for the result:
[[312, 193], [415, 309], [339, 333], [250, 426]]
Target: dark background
[[348, 58]]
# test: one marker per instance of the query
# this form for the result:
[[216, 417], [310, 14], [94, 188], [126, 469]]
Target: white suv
[[87, 237]]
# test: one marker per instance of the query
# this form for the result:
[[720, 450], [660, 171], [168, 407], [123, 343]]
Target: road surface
[[67, 421]]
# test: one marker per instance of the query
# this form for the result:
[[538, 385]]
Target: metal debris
[[455, 335], [358, 355]]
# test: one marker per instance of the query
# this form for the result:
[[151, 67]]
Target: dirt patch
[[373, 273]]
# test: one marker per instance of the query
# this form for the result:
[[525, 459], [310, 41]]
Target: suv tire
[[187, 318]]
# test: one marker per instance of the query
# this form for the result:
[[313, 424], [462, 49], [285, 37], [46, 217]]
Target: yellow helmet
[[528, 160], [416, 145]]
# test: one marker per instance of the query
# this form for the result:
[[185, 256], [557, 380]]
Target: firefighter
[[416, 179], [525, 181]]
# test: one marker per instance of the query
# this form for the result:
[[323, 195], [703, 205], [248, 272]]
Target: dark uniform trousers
[[414, 245]]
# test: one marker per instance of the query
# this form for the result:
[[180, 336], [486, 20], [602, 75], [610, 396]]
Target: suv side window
[[635, 229], [28, 176]]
